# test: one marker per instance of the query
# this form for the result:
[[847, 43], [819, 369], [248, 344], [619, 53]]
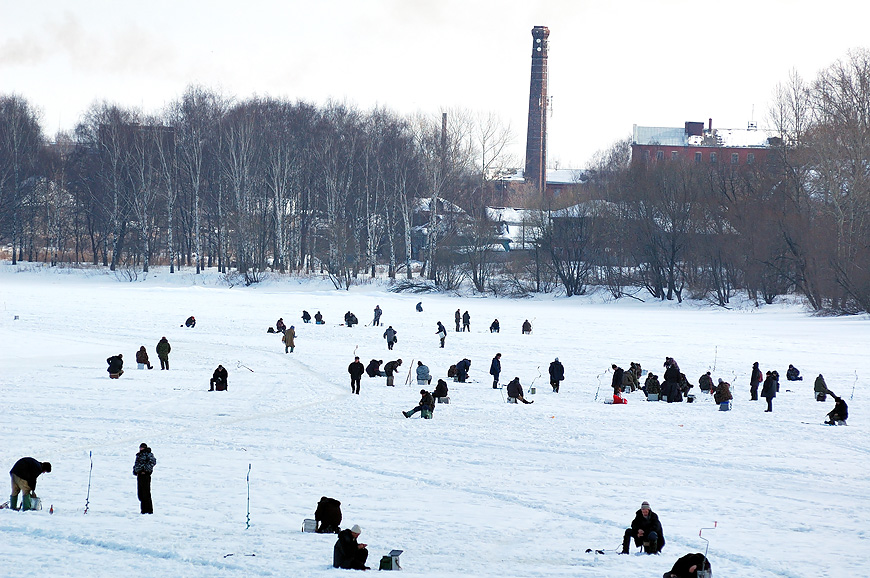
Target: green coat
[[820, 386], [163, 349]]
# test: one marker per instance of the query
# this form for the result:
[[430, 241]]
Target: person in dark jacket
[[466, 321], [768, 390], [327, 516], [427, 402], [419, 307], [350, 319], [23, 475], [116, 364], [280, 326], [495, 369], [722, 394], [219, 379], [143, 467], [673, 379], [318, 318], [557, 374], [163, 349], [754, 381], [494, 326], [390, 369], [688, 566], [462, 370], [458, 318], [645, 529], [348, 553], [840, 413], [190, 322], [440, 393], [793, 373], [442, 333], [527, 327], [142, 358], [306, 316], [377, 320], [616, 382], [390, 336], [356, 370], [705, 382], [515, 391], [373, 369], [423, 375], [820, 388]]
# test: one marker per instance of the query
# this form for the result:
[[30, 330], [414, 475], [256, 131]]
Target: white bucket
[[309, 525]]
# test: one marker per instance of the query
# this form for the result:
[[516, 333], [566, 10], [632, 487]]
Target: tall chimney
[[536, 138]]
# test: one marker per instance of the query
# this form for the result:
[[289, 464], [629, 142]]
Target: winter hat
[[143, 446], [292, 327], [645, 504], [423, 392], [720, 380], [356, 529], [557, 359], [46, 467]]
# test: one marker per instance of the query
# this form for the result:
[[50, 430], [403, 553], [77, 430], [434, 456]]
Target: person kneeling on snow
[[840, 413], [688, 566], [190, 322], [427, 404], [515, 391], [645, 529], [348, 553]]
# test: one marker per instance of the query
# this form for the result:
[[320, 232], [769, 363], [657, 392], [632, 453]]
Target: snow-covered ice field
[[483, 489]]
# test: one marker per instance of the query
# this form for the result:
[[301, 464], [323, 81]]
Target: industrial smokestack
[[536, 138]]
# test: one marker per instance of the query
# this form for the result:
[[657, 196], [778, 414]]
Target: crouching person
[[645, 529], [23, 475], [327, 516], [688, 566], [348, 553], [426, 406]]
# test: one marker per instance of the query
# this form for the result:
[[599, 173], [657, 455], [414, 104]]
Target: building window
[[713, 158], [673, 155], [660, 155], [735, 158], [697, 157], [750, 158], [645, 155]]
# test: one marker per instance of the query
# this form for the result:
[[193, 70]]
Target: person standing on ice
[[768, 390], [23, 475], [754, 381], [390, 369], [527, 327], [390, 336], [377, 320], [557, 374], [142, 469], [163, 349], [356, 370], [442, 333], [466, 322], [142, 359], [458, 318], [116, 363], [616, 382], [645, 529], [495, 369], [289, 339]]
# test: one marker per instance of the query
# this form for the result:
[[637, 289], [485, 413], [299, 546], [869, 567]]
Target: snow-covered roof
[[554, 176], [720, 137]]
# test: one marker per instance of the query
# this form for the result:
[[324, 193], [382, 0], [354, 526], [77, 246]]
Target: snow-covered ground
[[483, 489]]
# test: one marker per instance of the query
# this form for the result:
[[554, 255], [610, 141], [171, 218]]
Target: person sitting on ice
[[515, 391], [840, 413], [373, 369], [423, 375], [280, 326], [645, 529], [793, 373], [688, 566], [419, 307], [347, 552], [350, 319], [190, 322], [527, 327], [306, 316], [494, 326], [722, 394], [651, 385], [219, 379], [116, 363], [318, 319], [705, 382], [142, 359], [440, 393], [425, 407]]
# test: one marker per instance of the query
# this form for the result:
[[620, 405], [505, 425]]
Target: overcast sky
[[612, 63]]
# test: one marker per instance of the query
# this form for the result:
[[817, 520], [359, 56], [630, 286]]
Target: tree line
[[266, 184]]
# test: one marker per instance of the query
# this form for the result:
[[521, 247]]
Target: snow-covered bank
[[485, 488]]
